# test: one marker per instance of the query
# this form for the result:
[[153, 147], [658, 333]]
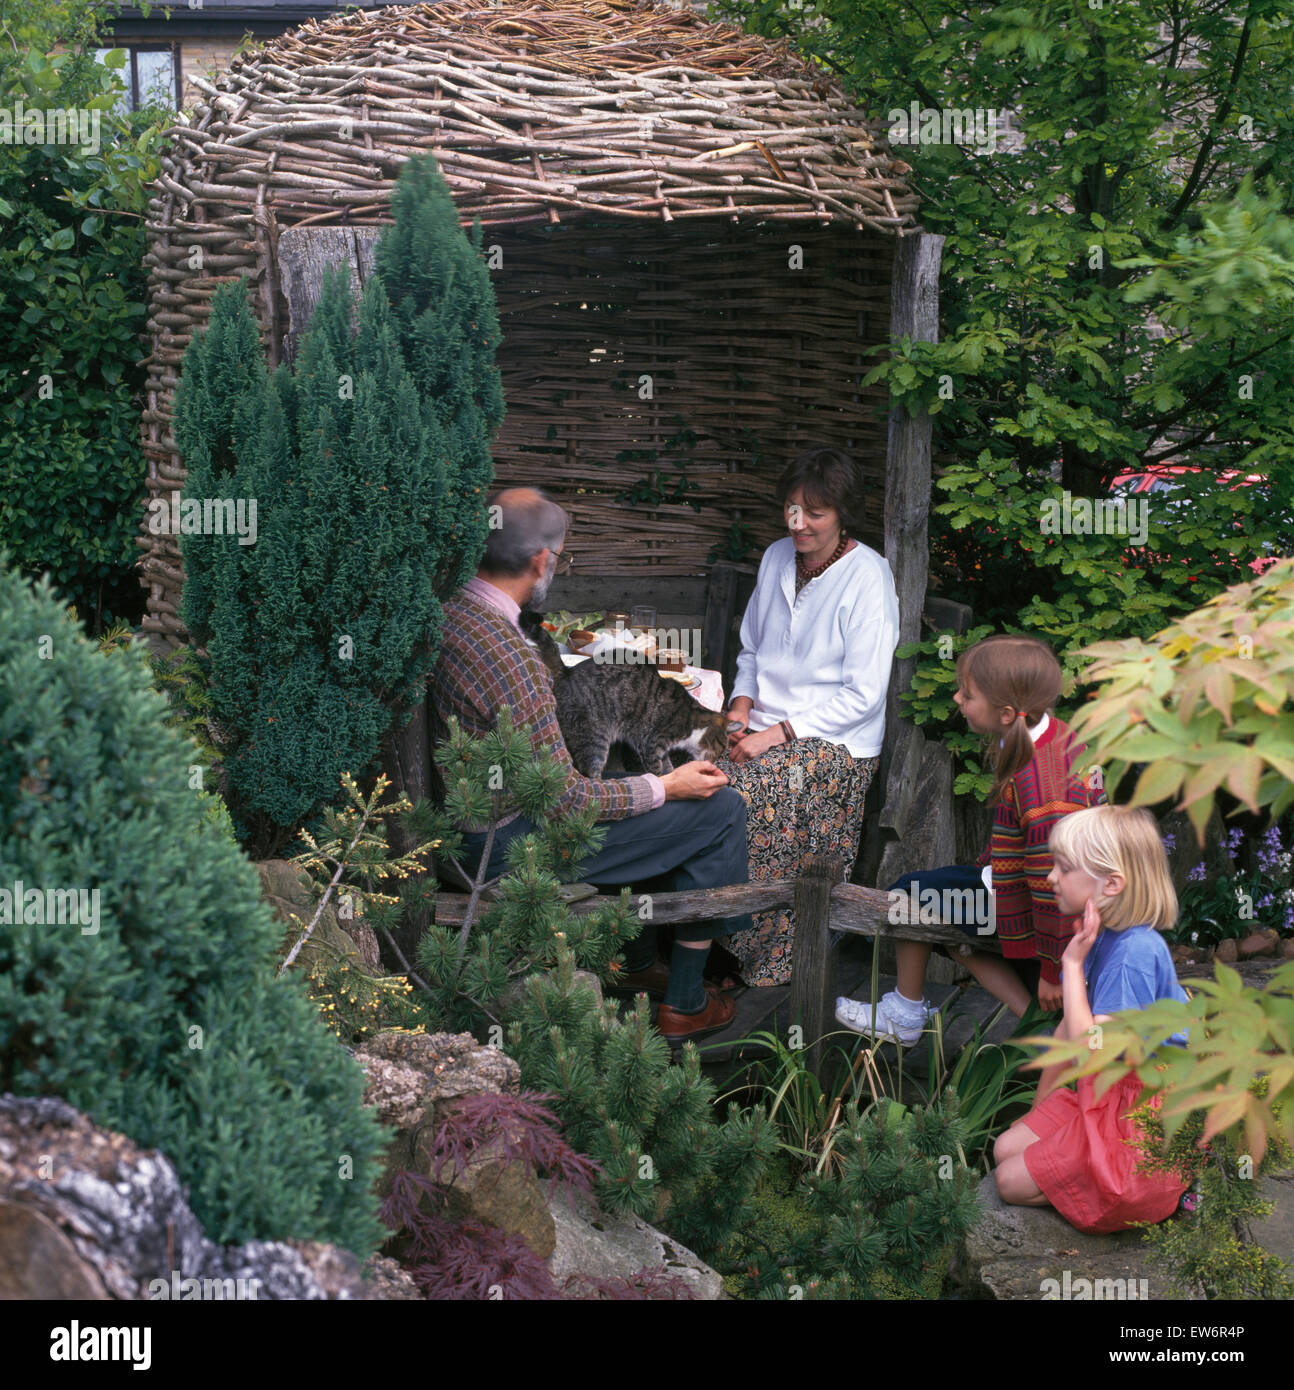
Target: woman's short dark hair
[[826, 478]]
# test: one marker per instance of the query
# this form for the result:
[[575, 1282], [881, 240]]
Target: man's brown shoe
[[653, 982], [676, 1027]]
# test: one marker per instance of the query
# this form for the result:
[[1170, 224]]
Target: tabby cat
[[600, 704], [538, 636]]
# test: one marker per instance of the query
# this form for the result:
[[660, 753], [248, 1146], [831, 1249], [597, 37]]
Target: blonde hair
[[1020, 672], [1124, 840]]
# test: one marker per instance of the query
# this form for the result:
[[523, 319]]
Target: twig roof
[[545, 108], [708, 150]]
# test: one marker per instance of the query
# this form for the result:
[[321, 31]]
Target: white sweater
[[822, 660]]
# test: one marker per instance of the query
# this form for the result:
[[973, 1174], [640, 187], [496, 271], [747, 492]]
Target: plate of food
[[562, 624], [688, 682]]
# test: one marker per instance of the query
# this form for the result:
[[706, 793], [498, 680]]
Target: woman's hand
[[739, 713], [1083, 939], [753, 745]]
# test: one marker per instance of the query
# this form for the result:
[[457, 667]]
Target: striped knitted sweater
[[1029, 920], [485, 665]]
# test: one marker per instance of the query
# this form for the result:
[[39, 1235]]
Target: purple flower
[[1233, 841], [1170, 842], [1267, 901], [1197, 874], [1270, 850]]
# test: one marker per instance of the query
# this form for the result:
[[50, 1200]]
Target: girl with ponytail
[[1007, 689]]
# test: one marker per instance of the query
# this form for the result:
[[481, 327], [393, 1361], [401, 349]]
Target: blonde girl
[[1073, 1151]]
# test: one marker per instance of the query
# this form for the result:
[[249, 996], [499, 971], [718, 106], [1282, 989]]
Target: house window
[[151, 75]]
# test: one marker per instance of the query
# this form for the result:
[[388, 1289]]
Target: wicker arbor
[[694, 239]]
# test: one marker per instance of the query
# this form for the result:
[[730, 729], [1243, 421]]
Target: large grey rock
[[1013, 1253], [1275, 1233], [412, 1079], [88, 1214], [293, 901], [592, 1242], [37, 1261], [449, 1064], [388, 1282]]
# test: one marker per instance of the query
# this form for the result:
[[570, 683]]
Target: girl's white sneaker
[[897, 1019]]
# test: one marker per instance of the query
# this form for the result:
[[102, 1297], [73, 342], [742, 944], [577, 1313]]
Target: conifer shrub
[[178, 676], [647, 1123], [442, 304], [369, 464], [166, 1022], [510, 975], [880, 1222], [470, 972]]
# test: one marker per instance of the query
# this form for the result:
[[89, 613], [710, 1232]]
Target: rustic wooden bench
[[823, 907]]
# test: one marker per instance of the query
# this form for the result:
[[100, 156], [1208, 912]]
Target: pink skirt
[[1085, 1159]]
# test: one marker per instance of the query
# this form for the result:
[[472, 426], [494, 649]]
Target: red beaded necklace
[[802, 575]]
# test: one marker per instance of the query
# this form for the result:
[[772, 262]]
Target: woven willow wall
[[746, 361], [645, 176]]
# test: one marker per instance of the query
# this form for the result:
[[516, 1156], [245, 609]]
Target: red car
[[1163, 478]]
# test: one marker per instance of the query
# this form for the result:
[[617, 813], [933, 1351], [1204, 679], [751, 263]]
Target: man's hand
[[693, 782]]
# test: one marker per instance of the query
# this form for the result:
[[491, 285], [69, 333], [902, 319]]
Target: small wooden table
[[709, 693]]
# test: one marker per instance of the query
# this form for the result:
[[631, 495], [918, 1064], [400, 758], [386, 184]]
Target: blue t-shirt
[[1131, 969]]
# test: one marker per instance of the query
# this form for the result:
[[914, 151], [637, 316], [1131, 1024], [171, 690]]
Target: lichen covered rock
[[84, 1213]]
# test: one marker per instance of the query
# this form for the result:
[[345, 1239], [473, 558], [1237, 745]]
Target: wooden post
[[720, 605], [812, 965], [303, 255], [914, 314]]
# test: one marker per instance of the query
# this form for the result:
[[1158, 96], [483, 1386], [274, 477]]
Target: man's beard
[[539, 593]]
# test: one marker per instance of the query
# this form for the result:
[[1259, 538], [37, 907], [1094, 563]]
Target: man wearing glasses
[[689, 825]]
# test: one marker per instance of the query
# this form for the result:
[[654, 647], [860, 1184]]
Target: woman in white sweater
[[817, 641]]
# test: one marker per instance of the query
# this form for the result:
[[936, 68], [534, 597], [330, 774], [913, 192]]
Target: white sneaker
[[897, 1019]]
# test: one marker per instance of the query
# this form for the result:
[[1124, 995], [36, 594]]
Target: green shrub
[[510, 975], [883, 1217], [1202, 705], [167, 1023], [72, 299], [649, 1124], [1210, 1246], [348, 870], [442, 304], [368, 466]]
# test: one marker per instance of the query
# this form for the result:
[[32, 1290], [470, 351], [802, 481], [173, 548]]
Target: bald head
[[524, 523]]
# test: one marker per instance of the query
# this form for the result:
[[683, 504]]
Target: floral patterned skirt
[[802, 798]]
